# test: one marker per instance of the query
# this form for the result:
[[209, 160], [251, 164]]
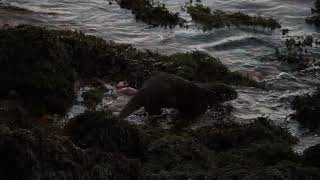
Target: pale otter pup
[[169, 91]]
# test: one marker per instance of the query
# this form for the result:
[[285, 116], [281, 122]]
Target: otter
[[165, 90]]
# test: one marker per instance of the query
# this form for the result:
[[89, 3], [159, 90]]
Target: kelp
[[308, 110], [298, 52], [104, 131], [152, 12], [209, 19]]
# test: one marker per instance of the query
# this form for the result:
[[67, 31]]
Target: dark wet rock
[[105, 131], [12, 113], [265, 154], [152, 12], [219, 19], [311, 156], [37, 67], [112, 165], [15, 118], [281, 171], [315, 18], [257, 154], [29, 155], [17, 161], [35, 155], [4, 129], [177, 156], [112, 149], [258, 150], [308, 110], [232, 135]]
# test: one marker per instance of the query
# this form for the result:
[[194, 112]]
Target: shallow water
[[238, 48]]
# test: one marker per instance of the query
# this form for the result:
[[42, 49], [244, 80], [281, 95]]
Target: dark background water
[[239, 48]]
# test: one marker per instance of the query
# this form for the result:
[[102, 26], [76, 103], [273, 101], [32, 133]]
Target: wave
[[239, 42]]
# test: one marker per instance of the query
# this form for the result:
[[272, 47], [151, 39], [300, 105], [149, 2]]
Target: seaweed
[[308, 110], [177, 156], [105, 131], [34, 155], [93, 97], [315, 18], [201, 67], [152, 13], [37, 67], [99, 146], [298, 51], [219, 19], [233, 135]]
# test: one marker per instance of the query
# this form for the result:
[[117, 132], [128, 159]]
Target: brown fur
[[169, 91]]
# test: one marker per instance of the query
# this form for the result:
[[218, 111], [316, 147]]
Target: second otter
[[170, 91]]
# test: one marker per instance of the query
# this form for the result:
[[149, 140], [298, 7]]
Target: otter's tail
[[134, 104]]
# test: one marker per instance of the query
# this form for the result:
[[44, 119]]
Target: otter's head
[[219, 92]]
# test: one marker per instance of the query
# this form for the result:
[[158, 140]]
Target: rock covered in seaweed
[[177, 157], [37, 67], [14, 116], [198, 66], [299, 51], [93, 97], [308, 110], [219, 19], [37, 155], [315, 18], [265, 154], [258, 150], [41, 65], [105, 131], [152, 12], [232, 135], [17, 160]]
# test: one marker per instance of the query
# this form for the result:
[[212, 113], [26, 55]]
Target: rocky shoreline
[[39, 70]]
